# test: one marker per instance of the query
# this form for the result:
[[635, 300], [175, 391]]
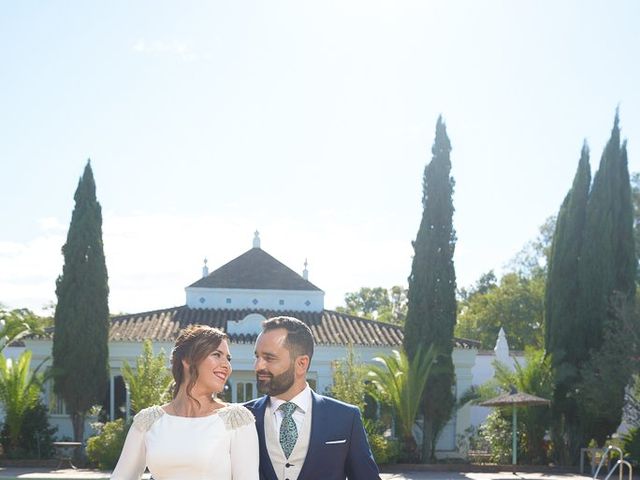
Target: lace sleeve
[[146, 417], [236, 416]]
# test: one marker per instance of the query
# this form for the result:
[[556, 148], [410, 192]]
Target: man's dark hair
[[299, 337]]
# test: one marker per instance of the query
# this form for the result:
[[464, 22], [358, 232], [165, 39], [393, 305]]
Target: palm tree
[[19, 392], [16, 324], [401, 383]]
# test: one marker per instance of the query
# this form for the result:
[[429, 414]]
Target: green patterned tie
[[288, 430]]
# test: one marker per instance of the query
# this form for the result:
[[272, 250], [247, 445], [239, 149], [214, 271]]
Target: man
[[303, 435]]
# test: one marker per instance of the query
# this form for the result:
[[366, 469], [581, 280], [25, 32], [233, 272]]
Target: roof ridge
[[147, 312]]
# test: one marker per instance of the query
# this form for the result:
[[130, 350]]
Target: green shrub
[[631, 445], [497, 433], [385, 450], [36, 435], [104, 449]]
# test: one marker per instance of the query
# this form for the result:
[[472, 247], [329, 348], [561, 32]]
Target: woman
[[195, 436]]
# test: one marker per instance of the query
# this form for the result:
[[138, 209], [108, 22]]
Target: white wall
[[237, 299]]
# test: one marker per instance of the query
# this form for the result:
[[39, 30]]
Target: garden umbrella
[[515, 399]]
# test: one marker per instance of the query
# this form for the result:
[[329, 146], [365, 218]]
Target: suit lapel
[[266, 466], [315, 439]]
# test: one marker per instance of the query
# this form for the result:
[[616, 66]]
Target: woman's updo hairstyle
[[193, 345]]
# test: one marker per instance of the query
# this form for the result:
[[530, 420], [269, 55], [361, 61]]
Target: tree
[[150, 382], [349, 380], [367, 302], [607, 268], [431, 314], [516, 304], [401, 382], [378, 303], [564, 335], [19, 392], [533, 259], [16, 324], [81, 320], [606, 375], [635, 198]]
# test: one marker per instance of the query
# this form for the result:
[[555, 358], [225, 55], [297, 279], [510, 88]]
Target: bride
[[195, 435]]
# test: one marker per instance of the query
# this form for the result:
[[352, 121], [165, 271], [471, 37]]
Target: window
[[244, 392], [281, 302], [228, 300], [56, 404]]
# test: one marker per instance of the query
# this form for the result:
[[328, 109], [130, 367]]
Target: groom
[[303, 435]]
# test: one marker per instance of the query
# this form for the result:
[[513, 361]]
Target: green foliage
[[564, 335], [19, 393], [150, 382], [16, 324], [608, 257], [605, 375], [515, 304], [631, 445], [607, 269], [104, 449], [635, 200], [431, 313], [496, 431], [80, 342], [401, 383], [536, 378], [533, 260], [36, 435], [349, 380], [381, 304], [385, 450]]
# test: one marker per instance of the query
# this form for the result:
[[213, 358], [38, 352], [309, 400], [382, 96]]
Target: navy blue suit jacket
[[331, 420]]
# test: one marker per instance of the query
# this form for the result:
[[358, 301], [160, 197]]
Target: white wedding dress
[[221, 446]]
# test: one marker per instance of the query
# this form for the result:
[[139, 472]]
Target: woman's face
[[215, 369]]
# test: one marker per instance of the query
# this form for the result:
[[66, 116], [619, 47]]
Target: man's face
[[275, 370]]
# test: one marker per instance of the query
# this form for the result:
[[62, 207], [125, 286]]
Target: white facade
[[236, 299], [242, 382]]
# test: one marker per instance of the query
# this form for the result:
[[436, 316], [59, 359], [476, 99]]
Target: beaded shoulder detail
[[146, 417], [235, 416]]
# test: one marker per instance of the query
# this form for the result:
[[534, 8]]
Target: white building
[[236, 298]]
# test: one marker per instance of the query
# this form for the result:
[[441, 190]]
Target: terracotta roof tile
[[328, 327]]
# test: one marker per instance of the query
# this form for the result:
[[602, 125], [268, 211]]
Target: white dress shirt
[[302, 402]]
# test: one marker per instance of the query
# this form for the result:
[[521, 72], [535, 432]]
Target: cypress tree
[[80, 342], [607, 270], [564, 337], [431, 314]]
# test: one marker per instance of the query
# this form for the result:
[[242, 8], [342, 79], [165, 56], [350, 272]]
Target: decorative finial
[[305, 272], [501, 349], [205, 269], [256, 239]]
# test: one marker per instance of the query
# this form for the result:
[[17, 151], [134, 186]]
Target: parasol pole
[[514, 454]]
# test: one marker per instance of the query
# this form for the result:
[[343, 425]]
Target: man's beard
[[277, 384]]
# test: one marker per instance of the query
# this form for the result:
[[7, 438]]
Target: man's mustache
[[264, 373]]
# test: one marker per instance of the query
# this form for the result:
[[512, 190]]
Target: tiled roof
[[328, 327], [255, 270]]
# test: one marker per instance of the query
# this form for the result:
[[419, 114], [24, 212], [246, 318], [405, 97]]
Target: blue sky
[[311, 122]]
